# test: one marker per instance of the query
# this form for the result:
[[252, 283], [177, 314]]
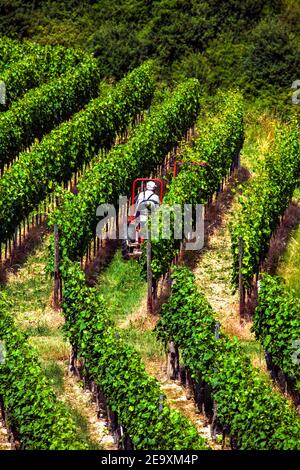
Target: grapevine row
[[43, 108], [12, 50], [36, 418], [247, 407], [68, 147], [116, 368], [263, 204], [218, 145], [42, 64]]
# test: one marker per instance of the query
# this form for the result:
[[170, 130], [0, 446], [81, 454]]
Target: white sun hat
[[151, 185]]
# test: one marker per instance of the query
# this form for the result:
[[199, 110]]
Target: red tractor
[[145, 191]]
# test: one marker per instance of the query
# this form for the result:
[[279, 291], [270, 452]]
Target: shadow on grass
[[20, 253]]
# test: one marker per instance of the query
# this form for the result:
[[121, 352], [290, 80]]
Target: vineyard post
[[241, 287], [149, 271], [213, 428], [56, 299]]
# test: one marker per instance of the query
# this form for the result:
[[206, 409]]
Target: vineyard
[[162, 347]]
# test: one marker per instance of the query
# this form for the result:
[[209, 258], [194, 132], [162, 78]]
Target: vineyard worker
[[145, 199]]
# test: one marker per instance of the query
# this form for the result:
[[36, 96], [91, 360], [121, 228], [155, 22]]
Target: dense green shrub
[[36, 67], [218, 144]]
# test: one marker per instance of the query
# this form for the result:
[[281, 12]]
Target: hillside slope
[[253, 44]]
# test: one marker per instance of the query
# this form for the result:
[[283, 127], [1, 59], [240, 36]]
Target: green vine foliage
[[44, 107], [218, 143], [32, 409], [114, 366], [38, 65], [117, 368], [112, 176], [68, 147], [276, 325], [257, 416], [263, 203], [10, 50]]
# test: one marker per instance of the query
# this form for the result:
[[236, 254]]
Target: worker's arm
[[155, 199]]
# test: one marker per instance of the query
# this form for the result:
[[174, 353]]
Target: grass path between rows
[[125, 294], [30, 291]]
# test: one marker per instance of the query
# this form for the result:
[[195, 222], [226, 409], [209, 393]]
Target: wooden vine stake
[[56, 296], [241, 286]]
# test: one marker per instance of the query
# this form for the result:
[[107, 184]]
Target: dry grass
[[122, 288], [288, 261], [4, 442]]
